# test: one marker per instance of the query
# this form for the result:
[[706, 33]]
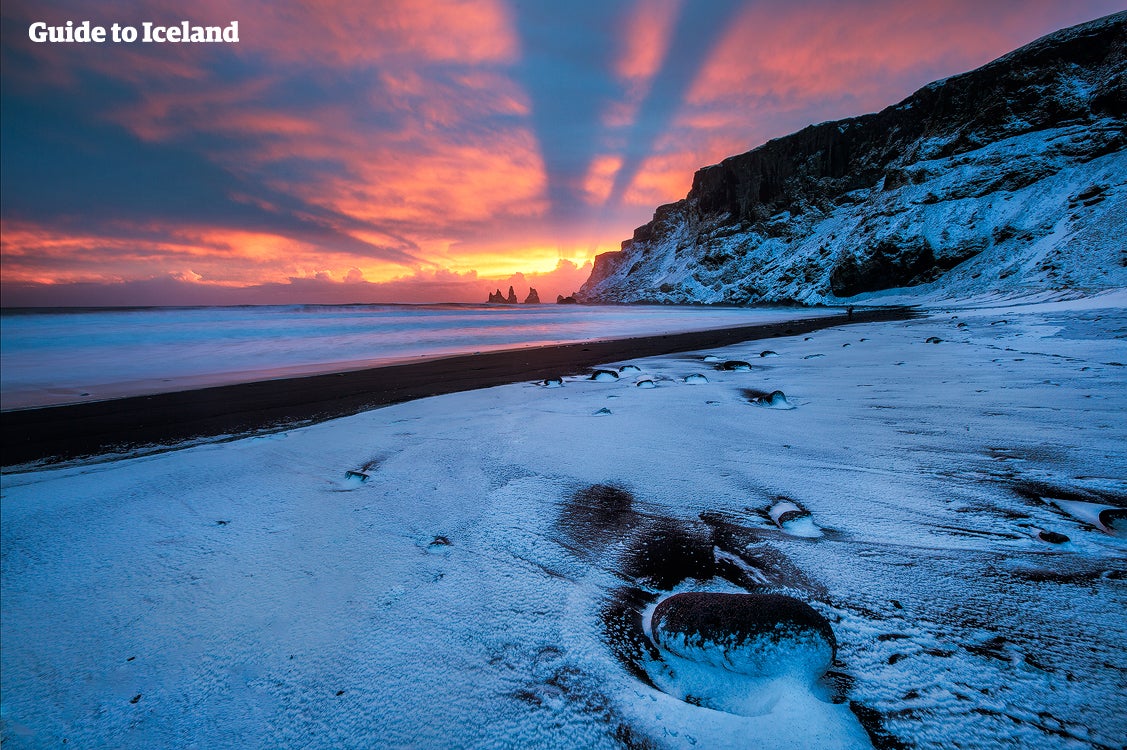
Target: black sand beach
[[124, 425]]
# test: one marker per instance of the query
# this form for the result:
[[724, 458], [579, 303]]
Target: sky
[[420, 150]]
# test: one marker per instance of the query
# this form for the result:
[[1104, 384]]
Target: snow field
[[253, 593]]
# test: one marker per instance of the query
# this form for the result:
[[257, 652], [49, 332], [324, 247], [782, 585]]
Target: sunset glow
[[420, 151]]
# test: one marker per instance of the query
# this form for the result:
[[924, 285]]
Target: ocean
[[59, 356]]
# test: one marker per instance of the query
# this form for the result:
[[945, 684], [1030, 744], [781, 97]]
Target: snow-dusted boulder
[[762, 635]]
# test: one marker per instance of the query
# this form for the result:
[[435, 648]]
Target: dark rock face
[[568, 300], [496, 297], [512, 298], [754, 227], [533, 298]]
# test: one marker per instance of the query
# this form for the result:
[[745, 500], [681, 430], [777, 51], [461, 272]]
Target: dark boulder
[[763, 635]]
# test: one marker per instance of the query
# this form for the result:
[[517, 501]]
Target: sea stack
[[533, 298], [512, 298]]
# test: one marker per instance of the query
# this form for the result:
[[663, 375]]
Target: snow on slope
[[487, 583], [1010, 178]]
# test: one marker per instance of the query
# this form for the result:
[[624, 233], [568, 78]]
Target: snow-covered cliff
[[1012, 177]]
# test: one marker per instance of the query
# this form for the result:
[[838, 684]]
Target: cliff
[[1010, 177]]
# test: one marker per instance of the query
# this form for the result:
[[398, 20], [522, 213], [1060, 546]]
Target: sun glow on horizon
[[454, 143]]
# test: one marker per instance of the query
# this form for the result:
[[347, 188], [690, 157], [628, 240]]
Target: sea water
[[57, 356]]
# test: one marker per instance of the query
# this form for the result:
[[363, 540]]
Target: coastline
[[59, 433]]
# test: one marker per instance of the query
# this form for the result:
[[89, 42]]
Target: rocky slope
[[1012, 177]]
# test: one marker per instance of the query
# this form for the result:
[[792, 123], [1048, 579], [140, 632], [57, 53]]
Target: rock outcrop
[[1010, 177], [496, 297], [512, 298], [533, 298]]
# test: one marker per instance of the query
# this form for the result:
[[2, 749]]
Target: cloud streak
[[410, 139]]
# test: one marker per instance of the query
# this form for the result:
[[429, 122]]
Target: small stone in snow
[[934, 340], [736, 365], [604, 376]]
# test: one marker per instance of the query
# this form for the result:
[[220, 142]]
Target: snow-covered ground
[[481, 587]]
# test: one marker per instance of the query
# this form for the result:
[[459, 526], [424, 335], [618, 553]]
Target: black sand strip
[[58, 433]]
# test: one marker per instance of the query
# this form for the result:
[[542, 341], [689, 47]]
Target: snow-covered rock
[[1008, 178], [755, 634]]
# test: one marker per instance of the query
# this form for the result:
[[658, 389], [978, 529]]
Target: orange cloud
[[600, 178]]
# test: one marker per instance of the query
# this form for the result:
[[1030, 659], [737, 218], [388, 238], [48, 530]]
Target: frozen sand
[[253, 595]]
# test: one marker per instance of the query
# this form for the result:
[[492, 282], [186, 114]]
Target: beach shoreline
[[124, 425]]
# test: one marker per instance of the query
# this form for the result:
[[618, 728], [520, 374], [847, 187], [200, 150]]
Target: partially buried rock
[[604, 376], [553, 382], [629, 368], [768, 353], [736, 365], [1052, 537], [645, 382], [696, 379], [934, 340], [773, 400], [1114, 521], [761, 635]]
